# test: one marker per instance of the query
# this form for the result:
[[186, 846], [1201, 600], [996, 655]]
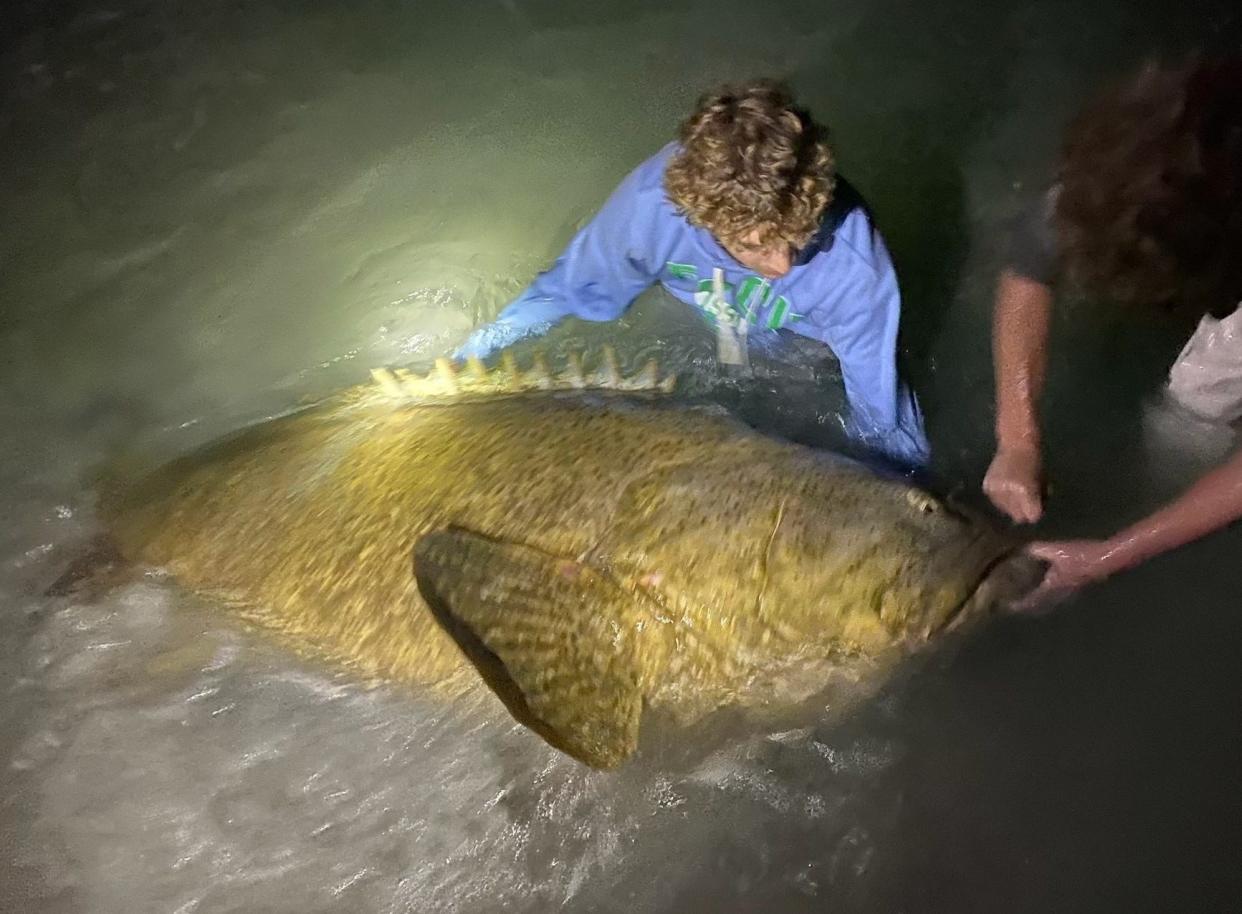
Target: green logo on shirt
[[747, 300]]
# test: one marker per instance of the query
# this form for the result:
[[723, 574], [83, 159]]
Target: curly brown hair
[[752, 161], [1150, 206]]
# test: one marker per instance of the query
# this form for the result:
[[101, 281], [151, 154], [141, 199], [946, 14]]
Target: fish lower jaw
[[1011, 576]]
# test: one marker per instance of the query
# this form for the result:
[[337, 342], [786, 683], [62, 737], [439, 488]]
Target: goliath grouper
[[579, 546]]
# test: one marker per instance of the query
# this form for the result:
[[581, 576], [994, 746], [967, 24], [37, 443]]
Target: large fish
[[579, 544]]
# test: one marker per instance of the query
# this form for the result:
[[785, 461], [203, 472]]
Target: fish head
[[870, 562], [972, 569]]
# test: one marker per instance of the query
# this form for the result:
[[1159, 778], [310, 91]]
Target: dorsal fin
[[449, 380]]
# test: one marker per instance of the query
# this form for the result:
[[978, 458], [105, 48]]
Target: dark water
[[214, 209]]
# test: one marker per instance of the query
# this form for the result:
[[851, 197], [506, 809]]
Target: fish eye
[[922, 502]]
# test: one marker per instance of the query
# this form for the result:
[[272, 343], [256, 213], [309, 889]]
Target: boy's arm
[[604, 268], [884, 413], [860, 323], [530, 314]]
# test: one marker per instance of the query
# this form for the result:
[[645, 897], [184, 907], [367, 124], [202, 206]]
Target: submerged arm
[[603, 269], [530, 314], [859, 320]]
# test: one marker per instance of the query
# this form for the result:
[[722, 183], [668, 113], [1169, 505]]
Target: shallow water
[[213, 210]]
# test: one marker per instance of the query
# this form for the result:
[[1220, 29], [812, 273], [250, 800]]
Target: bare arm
[[1210, 504], [1022, 315]]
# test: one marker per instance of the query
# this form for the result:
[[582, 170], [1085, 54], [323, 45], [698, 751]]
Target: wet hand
[[1013, 484], [1072, 564]]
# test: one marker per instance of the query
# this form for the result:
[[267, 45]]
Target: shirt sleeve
[[859, 321], [604, 268], [1032, 250]]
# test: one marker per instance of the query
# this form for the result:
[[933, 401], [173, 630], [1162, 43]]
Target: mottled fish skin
[[696, 548]]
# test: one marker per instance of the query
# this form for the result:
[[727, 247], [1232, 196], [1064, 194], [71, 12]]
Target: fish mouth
[[1010, 575]]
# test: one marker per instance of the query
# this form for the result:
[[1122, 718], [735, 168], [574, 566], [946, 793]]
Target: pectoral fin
[[560, 643]]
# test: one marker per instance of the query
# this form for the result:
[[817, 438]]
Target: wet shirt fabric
[[1206, 378], [841, 291]]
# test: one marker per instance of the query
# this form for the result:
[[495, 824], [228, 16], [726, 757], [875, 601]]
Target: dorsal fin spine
[[447, 379]]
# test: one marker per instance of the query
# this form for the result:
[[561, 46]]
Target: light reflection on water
[[214, 212]]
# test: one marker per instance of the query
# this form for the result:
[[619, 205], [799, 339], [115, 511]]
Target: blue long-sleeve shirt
[[842, 290]]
